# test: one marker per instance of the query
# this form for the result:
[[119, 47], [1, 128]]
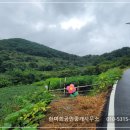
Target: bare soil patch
[[80, 113]]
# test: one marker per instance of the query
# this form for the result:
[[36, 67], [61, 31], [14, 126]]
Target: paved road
[[122, 101], [121, 105]]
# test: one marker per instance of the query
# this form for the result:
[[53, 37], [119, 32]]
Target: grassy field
[[8, 98]]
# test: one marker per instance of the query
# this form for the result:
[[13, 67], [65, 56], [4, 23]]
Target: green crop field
[[8, 95]]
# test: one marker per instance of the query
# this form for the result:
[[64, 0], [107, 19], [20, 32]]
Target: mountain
[[125, 51], [32, 48], [23, 62], [112, 56]]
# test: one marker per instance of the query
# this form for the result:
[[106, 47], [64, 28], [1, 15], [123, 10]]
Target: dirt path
[[80, 112]]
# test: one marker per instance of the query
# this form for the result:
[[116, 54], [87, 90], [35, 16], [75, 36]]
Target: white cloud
[[52, 26], [39, 26], [72, 23], [77, 23]]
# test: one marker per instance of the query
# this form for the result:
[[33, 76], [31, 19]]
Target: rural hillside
[[64, 64], [25, 62], [26, 68]]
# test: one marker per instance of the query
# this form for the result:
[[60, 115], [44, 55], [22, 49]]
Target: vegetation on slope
[[29, 109], [32, 48], [36, 96], [24, 62]]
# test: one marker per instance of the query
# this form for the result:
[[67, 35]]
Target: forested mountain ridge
[[23, 62], [32, 48], [35, 49], [114, 55]]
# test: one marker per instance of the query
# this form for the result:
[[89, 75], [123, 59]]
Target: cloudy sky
[[82, 28]]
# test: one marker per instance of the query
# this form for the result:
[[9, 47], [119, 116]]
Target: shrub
[[55, 83], [28, 116], [108, 78], [4, 81], [33, 108]]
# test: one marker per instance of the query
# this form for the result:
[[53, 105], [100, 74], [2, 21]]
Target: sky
[[78, 27]]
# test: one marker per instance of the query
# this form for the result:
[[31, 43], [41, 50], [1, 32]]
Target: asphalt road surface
[[122, 102]]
